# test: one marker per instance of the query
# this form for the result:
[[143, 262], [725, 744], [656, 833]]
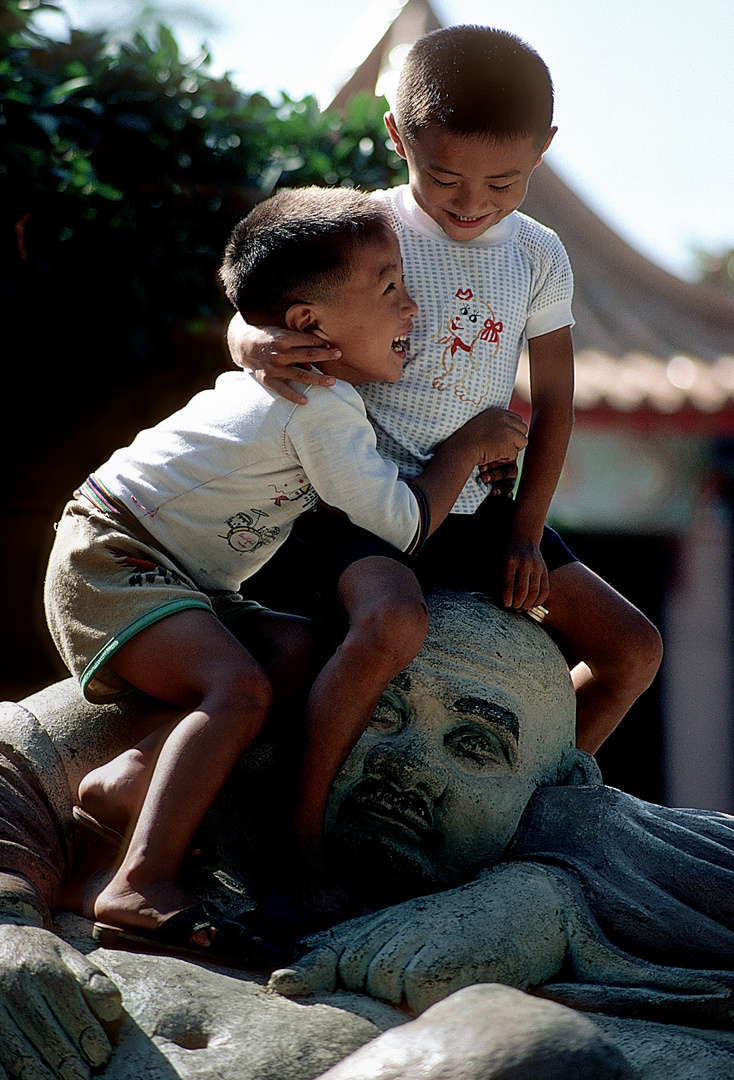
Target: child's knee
[[394, 625], [646, 651], [635, 654]]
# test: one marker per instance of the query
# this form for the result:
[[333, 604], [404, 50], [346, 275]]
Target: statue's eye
[[478, 746], [389, 714]]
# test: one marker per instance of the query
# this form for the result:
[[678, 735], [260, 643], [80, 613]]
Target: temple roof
[[623, 303], [645, 340]]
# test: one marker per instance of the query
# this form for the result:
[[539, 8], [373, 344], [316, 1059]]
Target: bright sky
[[644, 91]]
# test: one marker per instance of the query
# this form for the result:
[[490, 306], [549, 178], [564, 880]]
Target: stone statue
[[468, 776], [490, 851]]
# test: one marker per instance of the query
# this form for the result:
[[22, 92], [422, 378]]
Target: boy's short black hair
[[475, 80], [299, 245]]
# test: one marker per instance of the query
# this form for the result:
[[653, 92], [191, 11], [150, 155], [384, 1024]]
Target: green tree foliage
[[123, 168]]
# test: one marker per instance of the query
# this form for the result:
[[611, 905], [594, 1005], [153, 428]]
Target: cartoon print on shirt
[[472, 339], [291, 491], [244, 534]]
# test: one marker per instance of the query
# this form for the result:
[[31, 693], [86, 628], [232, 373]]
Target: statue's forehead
[[538, 694], [470, 638], [457, 688]]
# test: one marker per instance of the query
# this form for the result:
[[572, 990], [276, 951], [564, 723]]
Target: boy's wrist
[[524, 531], [530, 514], [461, 448]]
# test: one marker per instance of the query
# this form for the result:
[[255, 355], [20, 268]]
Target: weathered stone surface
[[198, 1022], [188, 1021], [490, 1032], [670, 1052]]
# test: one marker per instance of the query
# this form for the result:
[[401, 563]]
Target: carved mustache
[[405, 806]]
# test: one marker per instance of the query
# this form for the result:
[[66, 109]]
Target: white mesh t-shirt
[[479, 301]]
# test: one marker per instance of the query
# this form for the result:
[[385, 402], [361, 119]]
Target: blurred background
[[134, 135]]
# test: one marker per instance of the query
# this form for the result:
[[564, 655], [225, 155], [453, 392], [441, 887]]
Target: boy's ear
[[303, 317], [393, 132], [548, 141]]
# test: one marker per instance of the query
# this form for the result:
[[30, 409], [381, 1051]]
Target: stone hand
[[52, 1002], [505, 927]]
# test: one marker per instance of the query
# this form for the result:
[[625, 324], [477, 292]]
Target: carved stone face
[[436, 787]]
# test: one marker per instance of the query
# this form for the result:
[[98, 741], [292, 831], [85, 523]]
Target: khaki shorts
[[104, 585]]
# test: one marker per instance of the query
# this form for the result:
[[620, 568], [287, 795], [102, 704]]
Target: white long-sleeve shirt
[[220, 482]]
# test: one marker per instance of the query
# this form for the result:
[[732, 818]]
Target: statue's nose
[[406, 767]]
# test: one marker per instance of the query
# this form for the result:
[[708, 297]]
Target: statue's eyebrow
[[491, 712]]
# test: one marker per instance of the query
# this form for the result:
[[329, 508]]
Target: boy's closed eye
[[442, 183], [452, 183]]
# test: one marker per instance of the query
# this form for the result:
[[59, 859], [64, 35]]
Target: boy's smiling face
[[467, 183], [368, 317]]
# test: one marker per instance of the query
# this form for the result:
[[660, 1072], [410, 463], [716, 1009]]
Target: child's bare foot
[[170, 921], [114, 793], [121, 905]]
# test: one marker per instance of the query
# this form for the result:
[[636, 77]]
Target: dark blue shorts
[[466, 552]]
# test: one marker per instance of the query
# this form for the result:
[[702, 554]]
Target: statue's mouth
[[384, 799]]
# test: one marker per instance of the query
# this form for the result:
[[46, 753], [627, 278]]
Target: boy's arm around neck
[[277, 355]]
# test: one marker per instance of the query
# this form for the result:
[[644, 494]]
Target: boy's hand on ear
[[525, 580], [277, 355]]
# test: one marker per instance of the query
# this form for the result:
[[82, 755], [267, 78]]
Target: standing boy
[[157, 541], [473, 118]]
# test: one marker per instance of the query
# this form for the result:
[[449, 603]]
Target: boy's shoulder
[[388, 198], [238, 400], [530, 226], [235, 391], [341, 398], [540, 242], [386, 195], [241, 392]]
